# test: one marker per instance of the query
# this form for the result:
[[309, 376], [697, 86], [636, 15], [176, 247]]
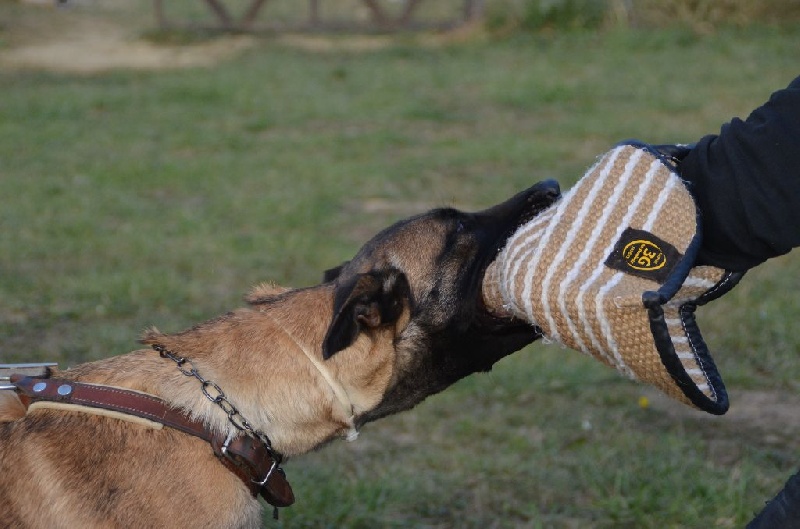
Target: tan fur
[[253, 354], [399, 322], [264, 291], [11, 408]]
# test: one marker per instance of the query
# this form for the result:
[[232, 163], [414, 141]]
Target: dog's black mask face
[[433, 265]]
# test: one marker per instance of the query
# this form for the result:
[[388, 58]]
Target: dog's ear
[[364, 302], [332, 273]]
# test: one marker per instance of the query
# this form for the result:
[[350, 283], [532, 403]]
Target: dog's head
[[423, 276]]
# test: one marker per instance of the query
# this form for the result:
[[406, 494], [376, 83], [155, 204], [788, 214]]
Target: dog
[[297, 368]]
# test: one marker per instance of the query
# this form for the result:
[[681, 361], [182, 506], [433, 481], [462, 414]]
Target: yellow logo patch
[[644, 255]]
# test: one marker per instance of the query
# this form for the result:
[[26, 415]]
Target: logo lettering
[[644, 255], [641, 253]]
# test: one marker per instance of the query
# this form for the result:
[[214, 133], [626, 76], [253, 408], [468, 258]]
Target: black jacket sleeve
[[746, 181]]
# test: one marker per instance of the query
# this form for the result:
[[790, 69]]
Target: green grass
[[130, 199]]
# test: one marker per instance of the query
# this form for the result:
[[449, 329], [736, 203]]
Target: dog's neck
[[268, 361], [338, 391]]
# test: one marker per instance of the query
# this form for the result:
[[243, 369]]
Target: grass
[[135, 198]]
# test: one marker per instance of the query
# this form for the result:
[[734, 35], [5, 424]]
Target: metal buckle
[[269, 474]]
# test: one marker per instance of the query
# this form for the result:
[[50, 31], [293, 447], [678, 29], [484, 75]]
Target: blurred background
[[158, 159]]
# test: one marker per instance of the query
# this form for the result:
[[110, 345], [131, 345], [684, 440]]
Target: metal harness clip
[[269, 473], [39, 370], [226, 444]]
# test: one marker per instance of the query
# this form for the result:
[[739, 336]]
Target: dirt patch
[[323, 44], [470, 32], [94, 53], [91, 36], [758, 409], [86, 43], [756, 417]]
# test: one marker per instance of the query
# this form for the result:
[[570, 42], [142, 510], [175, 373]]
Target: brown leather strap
[[245, 456]]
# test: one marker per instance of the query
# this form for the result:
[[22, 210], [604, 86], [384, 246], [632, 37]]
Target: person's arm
[[746, 181]]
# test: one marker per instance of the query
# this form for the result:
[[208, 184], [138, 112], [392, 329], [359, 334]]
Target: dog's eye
[[461, 227]]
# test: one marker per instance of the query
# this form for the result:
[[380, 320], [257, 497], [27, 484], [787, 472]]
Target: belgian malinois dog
[[297, 368]]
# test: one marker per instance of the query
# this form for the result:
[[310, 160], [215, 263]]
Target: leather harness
[[247, 457]]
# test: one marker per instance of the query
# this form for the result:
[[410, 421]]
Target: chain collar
[[214, 393]]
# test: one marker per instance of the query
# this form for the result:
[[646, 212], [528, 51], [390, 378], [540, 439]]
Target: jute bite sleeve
[[608, 271]]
